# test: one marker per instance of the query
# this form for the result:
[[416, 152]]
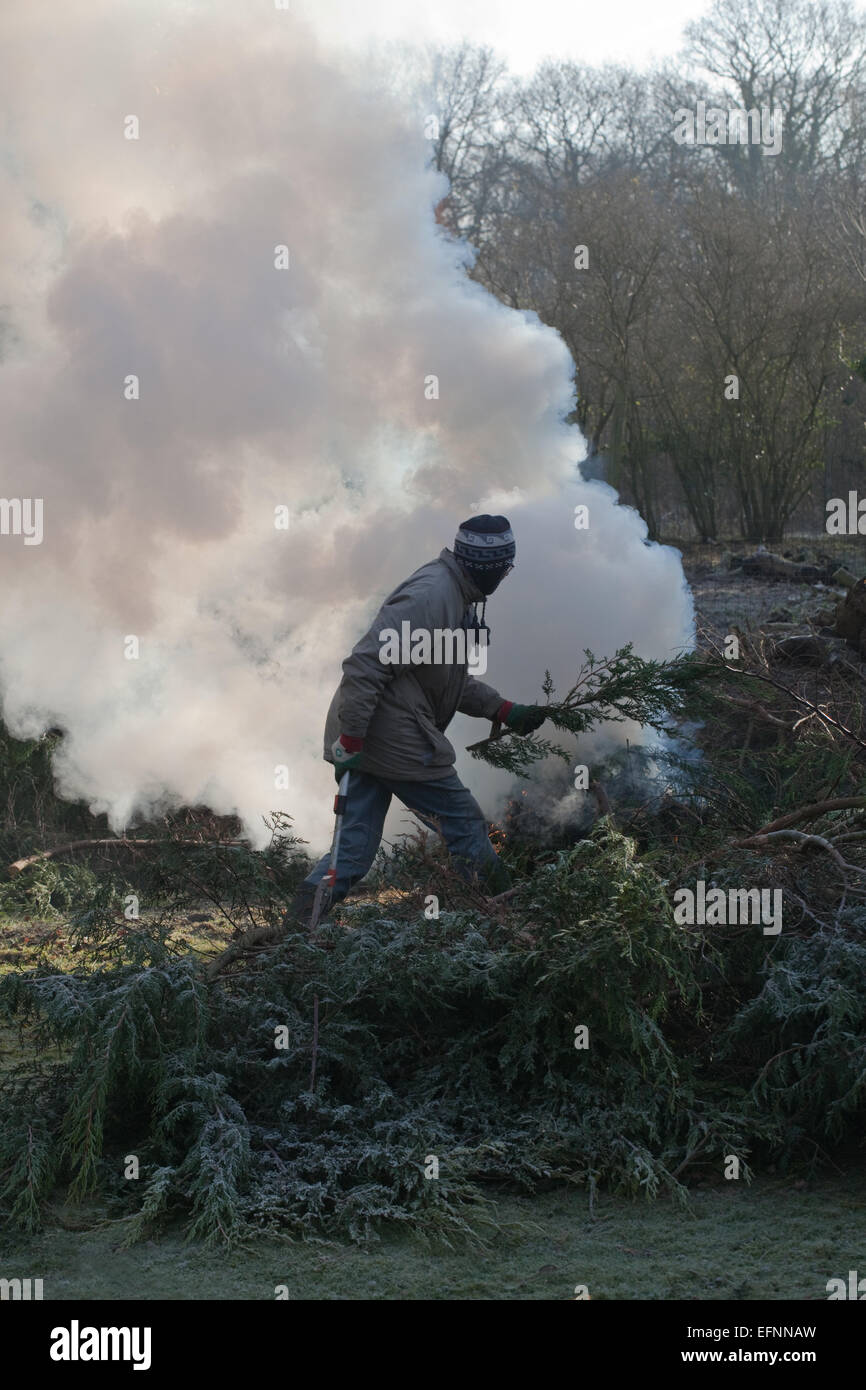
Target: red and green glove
[[346, 752], [523, 719]]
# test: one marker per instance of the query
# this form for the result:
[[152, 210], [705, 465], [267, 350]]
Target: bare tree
[[702, 265], [465, 94], [807, 58]]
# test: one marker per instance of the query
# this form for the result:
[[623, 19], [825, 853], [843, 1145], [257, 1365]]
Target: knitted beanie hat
[[485, 547]]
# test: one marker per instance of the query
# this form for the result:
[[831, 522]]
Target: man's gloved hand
[[346, 752], [523, 719]]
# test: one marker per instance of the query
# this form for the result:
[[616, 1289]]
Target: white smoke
[[259, 388]]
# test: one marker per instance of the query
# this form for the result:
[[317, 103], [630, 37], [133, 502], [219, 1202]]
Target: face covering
[[487, 579]]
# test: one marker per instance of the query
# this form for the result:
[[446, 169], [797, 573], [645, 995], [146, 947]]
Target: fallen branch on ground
[[818, 808], [802, 700], [755, 707], [803, 813], [801, 838], [252, 940], [20, 865]]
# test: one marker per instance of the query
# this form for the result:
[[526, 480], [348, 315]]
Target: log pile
[[765, 564], [799, 642]]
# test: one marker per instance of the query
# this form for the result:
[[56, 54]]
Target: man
[[387, 720]]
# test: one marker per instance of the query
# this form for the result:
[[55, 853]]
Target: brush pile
[[426, 1047]]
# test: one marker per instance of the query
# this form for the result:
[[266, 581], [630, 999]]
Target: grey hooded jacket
[[402, 710]]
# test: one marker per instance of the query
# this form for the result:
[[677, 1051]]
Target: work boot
[[495, 878], [300, 908]]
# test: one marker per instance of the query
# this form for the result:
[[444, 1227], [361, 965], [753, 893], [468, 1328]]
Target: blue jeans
[[444, 805]]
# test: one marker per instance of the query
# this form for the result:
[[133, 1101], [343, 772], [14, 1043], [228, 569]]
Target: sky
[[628, 31]]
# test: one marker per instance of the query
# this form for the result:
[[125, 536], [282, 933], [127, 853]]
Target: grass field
[[777, 1239]]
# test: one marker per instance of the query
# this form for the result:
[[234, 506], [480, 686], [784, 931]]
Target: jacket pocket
[[441, 753]]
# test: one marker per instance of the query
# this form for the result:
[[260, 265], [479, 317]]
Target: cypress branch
[[622, 687]]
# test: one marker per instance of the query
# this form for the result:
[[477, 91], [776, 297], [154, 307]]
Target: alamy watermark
[[714, 907], [711, 125], [77, 1343], [846, 517], [22, 516], [854, 1289], [22, 1290], [438, 646]]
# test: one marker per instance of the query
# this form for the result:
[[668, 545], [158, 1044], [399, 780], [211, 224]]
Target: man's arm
[[365, 675], [479, 700]]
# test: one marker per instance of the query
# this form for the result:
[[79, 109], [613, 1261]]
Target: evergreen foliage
[[654, 694], [451, 1038], [409, 1039]]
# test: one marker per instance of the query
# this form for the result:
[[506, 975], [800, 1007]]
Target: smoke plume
[[152, 264]]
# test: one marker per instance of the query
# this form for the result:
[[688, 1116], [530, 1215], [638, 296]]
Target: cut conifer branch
[[610, 690]]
